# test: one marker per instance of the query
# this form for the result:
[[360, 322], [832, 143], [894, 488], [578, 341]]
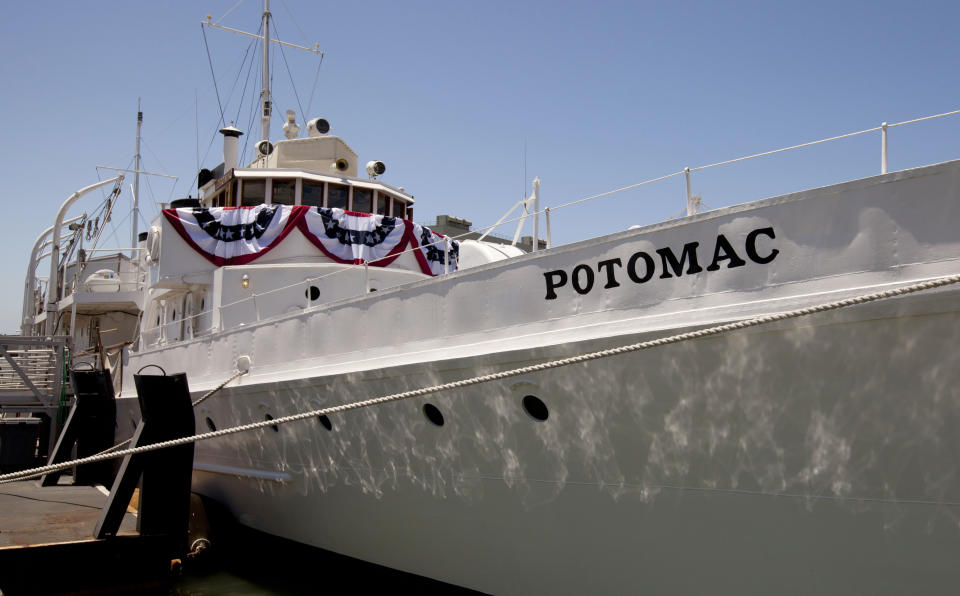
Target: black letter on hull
[[752, 246], [575, 279], [561, 277], [632, 267], [608, 265], [670, 260], [727, 254]]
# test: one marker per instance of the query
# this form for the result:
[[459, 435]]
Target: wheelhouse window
[[311, 193], [399, 210], [362, 197], [337, 196], [383, 204], [253, 192], [284, 192], [219, 199]]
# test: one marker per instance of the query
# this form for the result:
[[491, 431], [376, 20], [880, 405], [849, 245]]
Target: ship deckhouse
[[318, 171], [295, 229]]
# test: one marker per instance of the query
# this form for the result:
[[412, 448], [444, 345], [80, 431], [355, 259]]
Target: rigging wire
[[246, 84], [213, 135], [313, 90], [212, 74], [196, 123], [162, 167], [290, 74], [246, 81], [239, 73], [253, 114], [226, 14], [116, 228], [304, 39], [153, 202]]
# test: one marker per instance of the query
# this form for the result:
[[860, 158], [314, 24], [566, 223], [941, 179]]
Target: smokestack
[[231, 141]]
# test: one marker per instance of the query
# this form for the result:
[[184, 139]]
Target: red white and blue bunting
[[432, 249], [239, 235], [357, 238], [233, 235]]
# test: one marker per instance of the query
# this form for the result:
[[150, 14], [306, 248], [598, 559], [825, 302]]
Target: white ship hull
[[789, 460], [813, 455]]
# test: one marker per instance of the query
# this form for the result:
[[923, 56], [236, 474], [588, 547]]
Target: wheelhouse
[[250, 187], [295, 173]]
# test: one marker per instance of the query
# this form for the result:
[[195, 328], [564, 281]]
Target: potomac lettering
[[641, 266]]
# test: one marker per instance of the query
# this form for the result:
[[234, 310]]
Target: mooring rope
[[672, 339], [218, 387]]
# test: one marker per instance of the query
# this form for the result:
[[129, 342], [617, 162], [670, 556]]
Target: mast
[[265, 103], [136, 184], [265, 89]]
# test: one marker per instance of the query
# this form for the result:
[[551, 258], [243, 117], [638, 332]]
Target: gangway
[[31, 381]]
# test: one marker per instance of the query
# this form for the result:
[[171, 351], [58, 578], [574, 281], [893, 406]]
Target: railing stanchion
[[446, 254], [546, 215], [883, 148]]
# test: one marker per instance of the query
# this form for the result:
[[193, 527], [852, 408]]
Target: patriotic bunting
[[233, 235], [239, 235], [430, 250], [348, 237]]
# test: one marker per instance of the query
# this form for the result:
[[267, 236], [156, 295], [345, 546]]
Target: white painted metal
[[265, 101], [29, 310], [313, 50], [76, 286], [231, 142], [134, 231], [883, 148], [536, 215], [446, 255], [51, 305], [791, 444], [132, 171], [546, 216]]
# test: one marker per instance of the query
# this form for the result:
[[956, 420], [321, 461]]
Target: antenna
[[136, 184], [265, 88]]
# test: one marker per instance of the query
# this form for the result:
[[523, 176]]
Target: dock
[[47, 544]]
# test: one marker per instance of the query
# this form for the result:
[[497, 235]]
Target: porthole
[[313, 293], [433, 414], [211, 425], [273, 427], [535, 407], [325, 421]]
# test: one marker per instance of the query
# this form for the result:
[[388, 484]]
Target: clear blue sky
[[602, 94]]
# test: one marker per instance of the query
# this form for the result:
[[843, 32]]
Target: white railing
[[157, 336]]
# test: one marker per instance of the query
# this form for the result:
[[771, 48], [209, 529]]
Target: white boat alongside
[[812, 455]]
